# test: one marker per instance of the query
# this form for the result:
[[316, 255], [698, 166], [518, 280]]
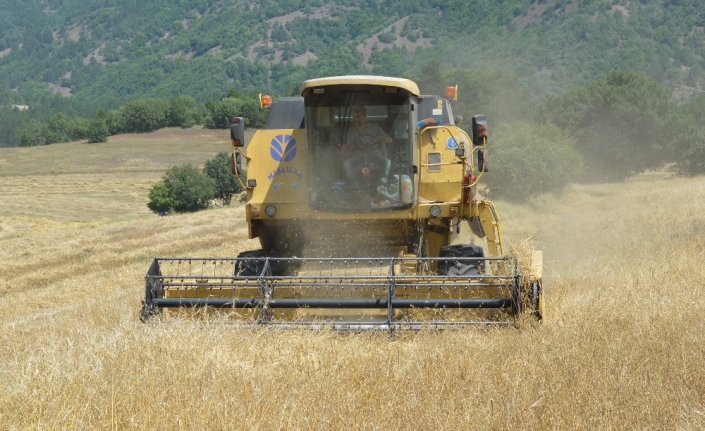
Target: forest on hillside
[[104, 53], [618, 81]]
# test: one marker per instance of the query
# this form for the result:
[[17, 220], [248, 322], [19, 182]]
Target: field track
[[623, 348]]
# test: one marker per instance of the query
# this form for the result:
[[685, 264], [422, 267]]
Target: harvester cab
[[356, 190]]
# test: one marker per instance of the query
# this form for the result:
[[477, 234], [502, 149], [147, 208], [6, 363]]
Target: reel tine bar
[[270, 283]]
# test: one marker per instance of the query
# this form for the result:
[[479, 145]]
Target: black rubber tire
[[450, 252], [252, 263], [145, 314]]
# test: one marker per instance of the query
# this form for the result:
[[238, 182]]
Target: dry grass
[[623, 348], [85, 182]]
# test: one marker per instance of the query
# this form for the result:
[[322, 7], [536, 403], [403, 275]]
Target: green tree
[[180, 112], [32, 134], [621, 124], [689, 143], [390, 62], [387, 37], [691, 160], [222, 111], [58, 129], [528, 159], [145, 115], [78, 129], [253, 114], [97, 131], [279, 34], [160, 198], [498, 94], [430, 81], [115, 122], [189, 188], [221, 171]]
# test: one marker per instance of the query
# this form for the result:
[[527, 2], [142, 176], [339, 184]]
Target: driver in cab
[[365, 144]]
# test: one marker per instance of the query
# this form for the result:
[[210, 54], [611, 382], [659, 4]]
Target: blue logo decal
[[451, 143], [283, 148]]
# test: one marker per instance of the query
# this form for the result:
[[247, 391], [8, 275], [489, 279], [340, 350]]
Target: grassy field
[[623, 348]]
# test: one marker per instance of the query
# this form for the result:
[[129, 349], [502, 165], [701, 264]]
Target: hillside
[[623, 347], [100, 54]]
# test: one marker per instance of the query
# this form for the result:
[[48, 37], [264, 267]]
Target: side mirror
[[237, 131], [479, 129], [238, 163], [482, 161]]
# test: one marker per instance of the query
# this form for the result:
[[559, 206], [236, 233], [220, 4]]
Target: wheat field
[[623, 346]]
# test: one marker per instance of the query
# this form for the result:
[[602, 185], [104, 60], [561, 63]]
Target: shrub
[[180, 112], [253, 114], [58, 129], [222, 111], [190, 189], [160, 198], [115, 122], [32, 134], [97, 131], [78, 129], [527, 160], [688, 144], [145, 115], [220, 170], [387, 37], [692, 161]]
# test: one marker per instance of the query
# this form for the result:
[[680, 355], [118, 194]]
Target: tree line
[[108, 53], [145, 115], [603, 131], [606, 130]]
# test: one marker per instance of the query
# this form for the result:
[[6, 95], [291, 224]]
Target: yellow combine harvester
[[357, 190]]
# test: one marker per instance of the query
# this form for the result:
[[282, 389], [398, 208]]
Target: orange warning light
[[452, 92], [265, 101]]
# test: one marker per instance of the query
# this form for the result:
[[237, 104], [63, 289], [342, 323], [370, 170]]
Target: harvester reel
[[359, 293]]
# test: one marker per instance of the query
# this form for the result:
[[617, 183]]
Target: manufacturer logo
[[283, 148], [451, 143]]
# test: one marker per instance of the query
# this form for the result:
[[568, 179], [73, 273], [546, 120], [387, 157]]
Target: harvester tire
[[252, 263], [146, 313], [539, 300], [451, 266], [534, 303], [253, 267]]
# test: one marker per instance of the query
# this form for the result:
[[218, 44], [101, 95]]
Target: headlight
[[270, 210], [435, 210]]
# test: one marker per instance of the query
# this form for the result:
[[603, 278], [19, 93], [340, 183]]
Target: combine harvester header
[[357, 190]]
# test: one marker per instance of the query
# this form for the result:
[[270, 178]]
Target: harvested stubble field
[[624, 346]]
